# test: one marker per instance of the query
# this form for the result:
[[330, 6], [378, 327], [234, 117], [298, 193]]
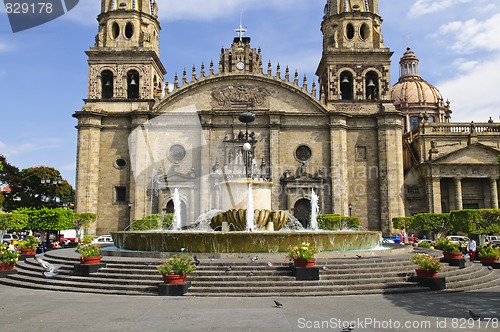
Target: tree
[[82, 220], [36, 187], [438, 223], [13, 221]]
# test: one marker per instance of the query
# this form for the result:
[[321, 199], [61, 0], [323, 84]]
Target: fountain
[[245, 221], [176, 221], [314, 211]]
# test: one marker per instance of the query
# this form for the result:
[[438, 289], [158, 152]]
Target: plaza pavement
[[36, 310]]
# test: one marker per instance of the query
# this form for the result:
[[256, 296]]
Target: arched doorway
[[170, 209], [302, 211]]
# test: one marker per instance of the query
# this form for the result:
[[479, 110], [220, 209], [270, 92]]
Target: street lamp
[[246, 118], [350, 210], [50, 182]]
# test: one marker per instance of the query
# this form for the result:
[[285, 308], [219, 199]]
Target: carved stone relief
[[240, 95]]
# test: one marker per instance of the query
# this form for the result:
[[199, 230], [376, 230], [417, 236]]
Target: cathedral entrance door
[[302, 211]]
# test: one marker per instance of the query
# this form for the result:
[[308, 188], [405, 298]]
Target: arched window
[[371, 86], [107, 84], [346, 86], [414, 121], [132, 84]]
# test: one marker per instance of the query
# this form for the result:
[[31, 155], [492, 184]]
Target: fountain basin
[[240, 242]]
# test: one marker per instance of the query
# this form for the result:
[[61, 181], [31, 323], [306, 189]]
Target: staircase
[[338, 276]]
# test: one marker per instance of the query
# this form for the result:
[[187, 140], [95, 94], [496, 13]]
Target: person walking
[[471, 249]]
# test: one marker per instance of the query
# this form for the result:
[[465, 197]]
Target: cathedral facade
[[352, 137]]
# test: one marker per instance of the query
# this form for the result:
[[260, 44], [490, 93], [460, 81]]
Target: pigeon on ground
[[277, 304], [212, 259], [325, 268], [228, 269], [51, 270], [254, 259], [348, 328], [196, 261], [490, 268], [474, 315], [269, 264], [250, 274], [359, 256]]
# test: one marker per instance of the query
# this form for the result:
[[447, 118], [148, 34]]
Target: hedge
[[337, 222], [152, 222]]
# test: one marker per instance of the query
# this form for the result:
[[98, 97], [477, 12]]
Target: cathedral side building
[[351, 137]]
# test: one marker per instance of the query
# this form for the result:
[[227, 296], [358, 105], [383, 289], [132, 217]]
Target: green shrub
[[446, 245], [152, 222], [336, 222]]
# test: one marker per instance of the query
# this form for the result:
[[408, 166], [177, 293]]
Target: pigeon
[[254, 259], [277, 304], [474, 315], [196, 261], [212, 259], [490, 268], [183, 249], [250, 274], [269, 264], [348, 328], [50, 269], [358, 256], [325, 268], [228, 269]]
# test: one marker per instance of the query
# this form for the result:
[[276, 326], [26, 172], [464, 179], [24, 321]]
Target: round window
[[177, 152], [115, 30], [350, 31], [120, 163], [303, 153], [129, 30]]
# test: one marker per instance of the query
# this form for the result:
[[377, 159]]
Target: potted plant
[[303, 255], [451, 250], [428, 266], [28, 246], [8, 258], [176, 269], [89, 252], [489, 254]]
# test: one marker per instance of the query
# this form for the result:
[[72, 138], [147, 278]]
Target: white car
[[458, 238], [103, 239], [6, 238]]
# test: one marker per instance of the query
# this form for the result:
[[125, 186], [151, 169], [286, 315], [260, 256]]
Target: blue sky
[[43, 71]]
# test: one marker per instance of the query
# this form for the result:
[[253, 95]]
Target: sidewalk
[[33, 310]]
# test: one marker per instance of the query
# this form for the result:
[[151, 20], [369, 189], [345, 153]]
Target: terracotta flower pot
[[426, 273], [452, 255], [174, 279], [90, 260], [489, 260], [27, 251], [304, 263], [6, 266]]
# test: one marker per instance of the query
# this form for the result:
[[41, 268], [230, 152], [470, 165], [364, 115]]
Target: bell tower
[[355, 64], [125, 79]]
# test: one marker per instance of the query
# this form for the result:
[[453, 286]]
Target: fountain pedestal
[[234, 194]]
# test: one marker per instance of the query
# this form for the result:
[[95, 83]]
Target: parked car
[[431, 242], [6, 238], [103, 239], [493, 239], [458, 238]]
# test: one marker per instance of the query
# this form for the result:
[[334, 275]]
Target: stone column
[[274, 164], [435, 196], [338, 164], [458, 194], [494, 193]]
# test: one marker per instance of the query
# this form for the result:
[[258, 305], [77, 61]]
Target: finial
[[296, 78], [211, 68], [202, 70], [269, 68], [176, 81], [278, 71], [193, 74], [184, 77], [287, 74]]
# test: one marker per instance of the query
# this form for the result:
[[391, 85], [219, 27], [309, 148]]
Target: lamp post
[[246, 117], [350, 210], [50, 183]]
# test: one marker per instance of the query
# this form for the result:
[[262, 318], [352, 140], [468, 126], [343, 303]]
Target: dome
[[415, 90], [411, 88]]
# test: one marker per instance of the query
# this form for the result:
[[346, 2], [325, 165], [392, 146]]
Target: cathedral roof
[[411, 88]]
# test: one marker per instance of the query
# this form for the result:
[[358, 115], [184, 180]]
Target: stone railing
[[465, 128]]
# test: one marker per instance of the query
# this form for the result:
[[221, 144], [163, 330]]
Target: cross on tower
[[241, 30]]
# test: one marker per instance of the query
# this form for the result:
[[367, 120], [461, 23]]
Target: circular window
[[115, 30], [350, 31], [129, 30], [177, 152], [120, 163], [364, 31], [303, 153]]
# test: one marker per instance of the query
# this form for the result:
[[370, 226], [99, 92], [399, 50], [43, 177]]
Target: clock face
[[240, 65]]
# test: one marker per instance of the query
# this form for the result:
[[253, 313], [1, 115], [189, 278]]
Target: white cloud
[[473, 93], [207, 10], [424, 7], [473, 35]]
